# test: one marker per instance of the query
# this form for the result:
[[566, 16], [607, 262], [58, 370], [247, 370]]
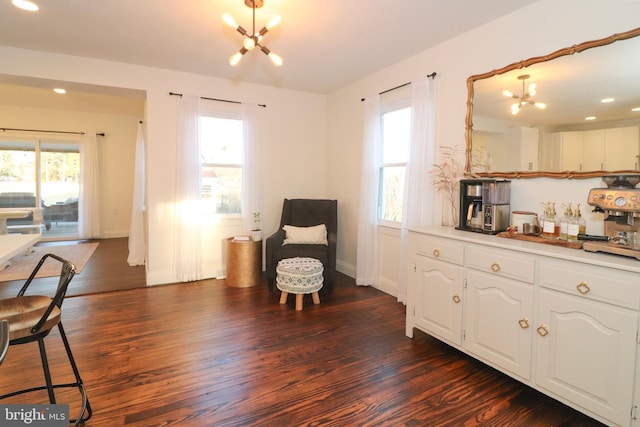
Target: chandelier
[[526, 96], [255, 38]]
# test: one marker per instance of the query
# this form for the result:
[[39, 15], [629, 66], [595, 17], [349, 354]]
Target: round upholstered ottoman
[[299, 276]]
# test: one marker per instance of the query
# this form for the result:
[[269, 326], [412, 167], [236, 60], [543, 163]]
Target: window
[[221, 149], [45, 174], [396, 121]]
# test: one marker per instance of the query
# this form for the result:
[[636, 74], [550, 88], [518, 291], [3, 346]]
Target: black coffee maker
[[484, 205]]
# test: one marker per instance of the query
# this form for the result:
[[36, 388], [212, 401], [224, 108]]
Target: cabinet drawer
[[438, 248], [597, 283], [501, 262]]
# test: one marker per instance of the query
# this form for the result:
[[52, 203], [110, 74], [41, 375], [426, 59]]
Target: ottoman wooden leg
[[283, 297], [316, 298], [299, 301]]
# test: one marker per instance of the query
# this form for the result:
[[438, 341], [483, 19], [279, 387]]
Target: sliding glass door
[[45, 174]]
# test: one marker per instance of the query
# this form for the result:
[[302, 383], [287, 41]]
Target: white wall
[[536, 30], [292, 132]]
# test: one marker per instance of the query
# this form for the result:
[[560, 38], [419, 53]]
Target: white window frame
[[230, 112], [385, 108]]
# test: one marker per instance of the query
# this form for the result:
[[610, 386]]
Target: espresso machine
[[484, 205], [620, 202]]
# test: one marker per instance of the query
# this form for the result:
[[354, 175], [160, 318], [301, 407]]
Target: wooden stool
[[299, 276]]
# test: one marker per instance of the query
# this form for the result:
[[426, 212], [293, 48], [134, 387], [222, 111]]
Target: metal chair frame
[[38, 334]]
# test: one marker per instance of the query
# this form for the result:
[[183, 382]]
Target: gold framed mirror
[[516, 131]]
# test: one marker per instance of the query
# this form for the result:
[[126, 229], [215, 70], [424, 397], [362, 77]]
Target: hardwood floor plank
[[205, 354]]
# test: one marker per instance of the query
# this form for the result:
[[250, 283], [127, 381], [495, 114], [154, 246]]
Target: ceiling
[[325, 44], [572, 88]]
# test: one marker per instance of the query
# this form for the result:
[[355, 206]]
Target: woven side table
[[244, 263], [299, 276]]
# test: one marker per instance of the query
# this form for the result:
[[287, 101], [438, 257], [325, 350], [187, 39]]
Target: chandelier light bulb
[[236, 57], [276, 59], [540, 105], [228, 19], [249, 43], [515, 108], [274, 21], [507, 93], [532, 89], [26, 5]]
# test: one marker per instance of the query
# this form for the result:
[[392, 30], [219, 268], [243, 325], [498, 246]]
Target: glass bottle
[[582, 224], [564, 223], [550, 223], [574, 227]]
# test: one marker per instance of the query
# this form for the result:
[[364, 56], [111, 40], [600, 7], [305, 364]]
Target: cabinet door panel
[[438, 305], [498, 321], [588, 353]]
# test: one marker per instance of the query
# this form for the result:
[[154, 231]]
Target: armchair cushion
[[314, 235]]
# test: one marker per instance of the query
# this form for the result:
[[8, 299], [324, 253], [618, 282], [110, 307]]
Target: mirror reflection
[[573, 113]]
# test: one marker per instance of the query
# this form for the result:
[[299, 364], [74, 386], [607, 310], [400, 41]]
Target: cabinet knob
[[542, 331], [456, 299], [524, 323], [583, 288], [495, 267], [436, 253]]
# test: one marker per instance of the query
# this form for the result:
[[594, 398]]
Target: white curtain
[[252, 179], [89, 208], [188, 257], [136, 228], [418, 191], [367, 249]]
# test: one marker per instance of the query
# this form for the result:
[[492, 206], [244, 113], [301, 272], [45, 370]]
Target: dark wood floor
[[206, 354], [106, 271]]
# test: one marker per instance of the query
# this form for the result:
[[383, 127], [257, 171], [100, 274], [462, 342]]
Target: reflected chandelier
[[255, 38], [526, 96]]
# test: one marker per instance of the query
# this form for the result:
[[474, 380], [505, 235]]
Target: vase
[[449, 212]]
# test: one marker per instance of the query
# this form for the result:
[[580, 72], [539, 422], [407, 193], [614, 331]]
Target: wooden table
[[244, 262], [15, 244]]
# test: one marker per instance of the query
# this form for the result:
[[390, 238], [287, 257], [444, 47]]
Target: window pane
[[222, 186], [392, 189], [221, 140], [60, 187], [395, 136]]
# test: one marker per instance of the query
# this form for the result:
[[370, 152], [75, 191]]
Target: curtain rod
[[432, 75], [216, 99], [49, 131]]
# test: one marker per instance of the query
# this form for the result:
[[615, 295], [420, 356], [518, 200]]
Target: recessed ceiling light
[[25, 5], [607, 100], [635, 109], [59, 90], [590, 118]]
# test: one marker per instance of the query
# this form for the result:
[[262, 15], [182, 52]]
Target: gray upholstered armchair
[[305, 213]]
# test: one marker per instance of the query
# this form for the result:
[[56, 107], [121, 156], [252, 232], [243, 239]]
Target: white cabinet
[[586, 335], [438, 308], [498, 316], [586, 353], [612, 149], [593, 150], [622, 148], [437, 289], [563, 324]]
